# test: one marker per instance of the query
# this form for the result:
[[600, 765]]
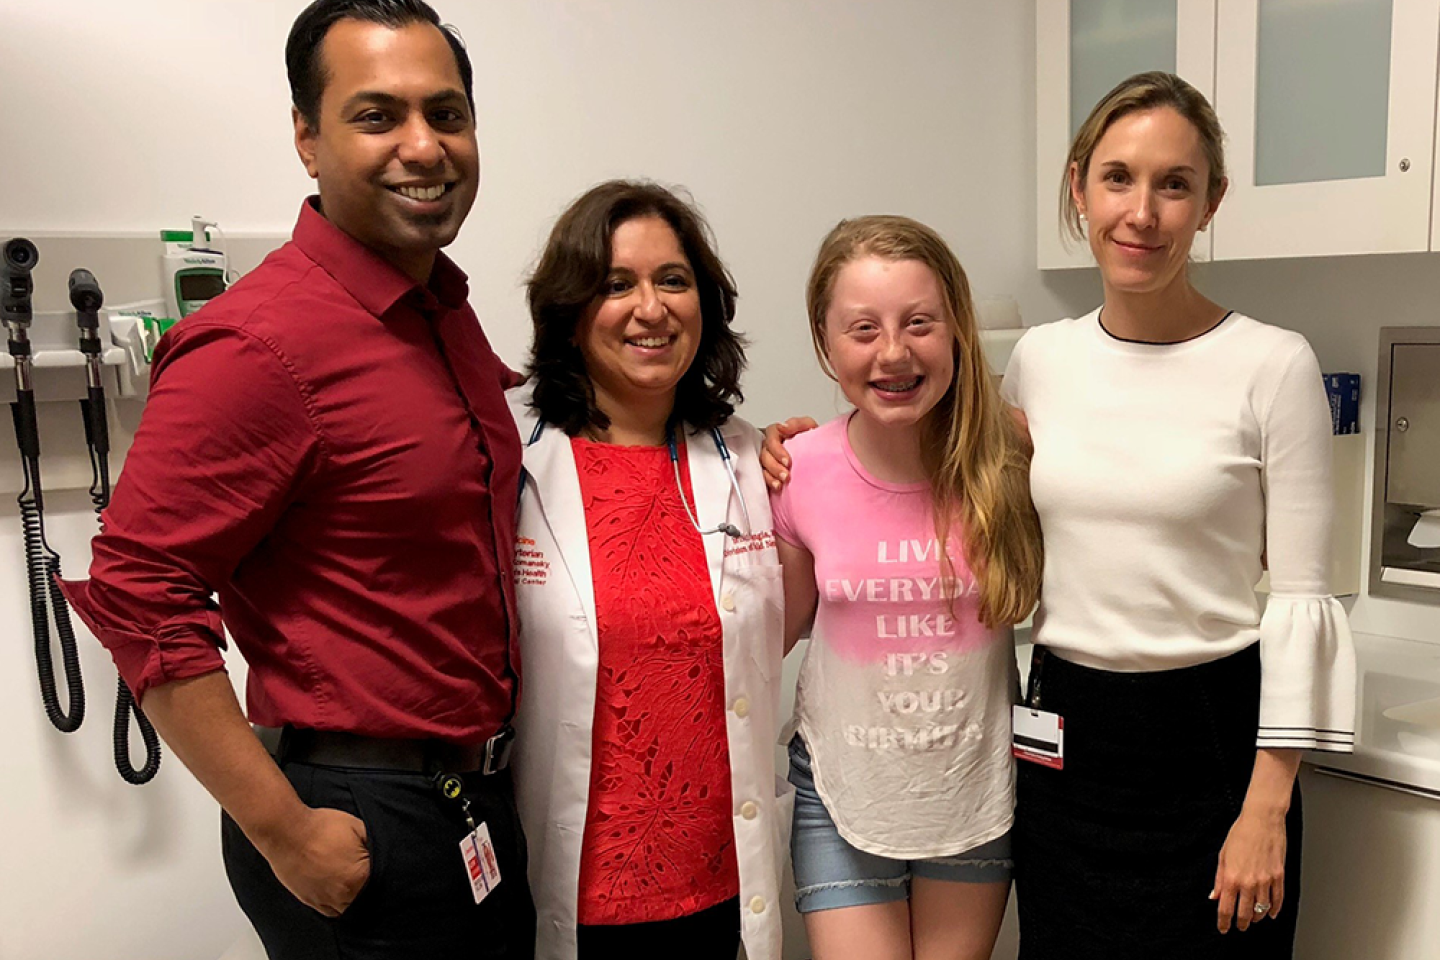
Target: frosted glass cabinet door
[[1329, 107], [1082, 49]]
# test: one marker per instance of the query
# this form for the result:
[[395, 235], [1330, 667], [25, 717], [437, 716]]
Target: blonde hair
[[975, 461], [1143, 91]]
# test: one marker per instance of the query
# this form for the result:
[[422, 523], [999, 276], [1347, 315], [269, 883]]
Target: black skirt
[[1115, 855]]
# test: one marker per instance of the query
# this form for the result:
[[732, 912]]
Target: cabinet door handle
[[1381, 782]]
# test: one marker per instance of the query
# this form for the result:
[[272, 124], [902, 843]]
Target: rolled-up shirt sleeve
[[1307, 684], [227, 440]]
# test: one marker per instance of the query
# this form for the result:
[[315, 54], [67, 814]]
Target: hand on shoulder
[[773, 457]]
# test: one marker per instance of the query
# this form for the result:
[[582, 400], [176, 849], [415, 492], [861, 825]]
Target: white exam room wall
[[779, 117]]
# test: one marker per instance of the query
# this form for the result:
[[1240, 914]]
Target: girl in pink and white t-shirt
[[905, 785]]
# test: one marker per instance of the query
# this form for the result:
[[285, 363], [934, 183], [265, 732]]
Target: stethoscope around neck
[[729, 529]]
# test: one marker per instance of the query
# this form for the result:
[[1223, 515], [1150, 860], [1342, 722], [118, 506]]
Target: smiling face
[[641, 334], [888, 339], [1145, 196], [394, 152]]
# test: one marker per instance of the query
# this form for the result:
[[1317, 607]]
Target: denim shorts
[[830, 872]]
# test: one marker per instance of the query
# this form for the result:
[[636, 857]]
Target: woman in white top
[[1179, 449]]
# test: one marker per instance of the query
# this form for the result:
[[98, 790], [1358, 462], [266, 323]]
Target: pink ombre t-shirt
[[904, 697]]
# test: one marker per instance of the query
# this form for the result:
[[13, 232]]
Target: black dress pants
[[710, 934], [418, 901]]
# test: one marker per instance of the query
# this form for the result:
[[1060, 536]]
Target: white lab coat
[[559, 657]]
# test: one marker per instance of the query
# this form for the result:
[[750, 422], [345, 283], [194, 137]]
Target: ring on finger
[[1261, 909]]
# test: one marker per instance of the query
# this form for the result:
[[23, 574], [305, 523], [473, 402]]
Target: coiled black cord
[[42, 566], [125, 705], [100, 482]]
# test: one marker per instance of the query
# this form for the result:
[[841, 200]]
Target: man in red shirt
[[327, 447]]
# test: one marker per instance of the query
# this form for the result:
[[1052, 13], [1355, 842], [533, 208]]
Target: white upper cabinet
[[1330, 110], [1435, 192], [1083, 49]]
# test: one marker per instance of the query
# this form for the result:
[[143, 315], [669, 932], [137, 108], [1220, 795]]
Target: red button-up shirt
[[327, 447]]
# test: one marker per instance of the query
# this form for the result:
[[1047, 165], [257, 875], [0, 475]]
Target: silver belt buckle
[[497, 751]]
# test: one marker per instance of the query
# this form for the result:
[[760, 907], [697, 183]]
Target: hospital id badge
[[1039, 737], [480, 864]]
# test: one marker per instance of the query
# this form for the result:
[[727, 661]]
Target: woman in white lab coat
[[649, 597]]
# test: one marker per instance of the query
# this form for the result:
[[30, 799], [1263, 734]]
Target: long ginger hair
[[975, 460]]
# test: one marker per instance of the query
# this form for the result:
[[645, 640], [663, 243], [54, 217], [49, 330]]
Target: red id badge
[[480, 863]]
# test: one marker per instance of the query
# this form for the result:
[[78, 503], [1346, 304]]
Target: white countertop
[[1397, 723]]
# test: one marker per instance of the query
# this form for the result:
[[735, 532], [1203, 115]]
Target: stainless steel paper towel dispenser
[[1405, 524]]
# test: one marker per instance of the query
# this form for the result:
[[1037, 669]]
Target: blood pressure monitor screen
[[201, 286]]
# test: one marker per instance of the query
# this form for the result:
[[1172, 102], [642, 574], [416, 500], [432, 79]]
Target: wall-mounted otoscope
[[20, 258], [87, 299], [42, 563]]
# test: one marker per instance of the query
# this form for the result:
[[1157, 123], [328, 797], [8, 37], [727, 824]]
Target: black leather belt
[[329, 748]]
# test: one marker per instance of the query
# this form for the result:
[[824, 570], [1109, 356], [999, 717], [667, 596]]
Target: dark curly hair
[[570, 276]]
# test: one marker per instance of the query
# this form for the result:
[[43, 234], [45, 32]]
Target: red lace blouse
[[659, 842]]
